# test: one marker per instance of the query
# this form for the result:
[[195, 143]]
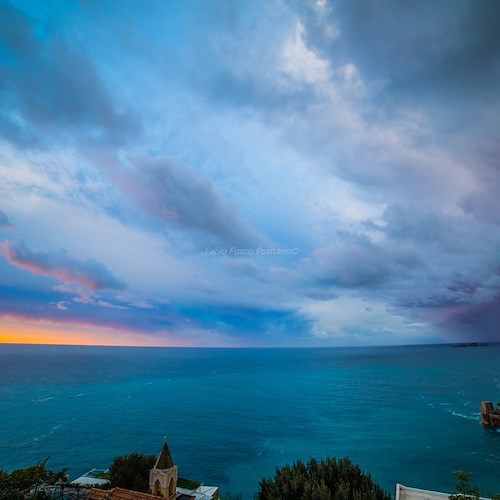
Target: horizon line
[[481, 343]]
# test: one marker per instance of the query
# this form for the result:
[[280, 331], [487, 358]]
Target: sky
[[249, 173]]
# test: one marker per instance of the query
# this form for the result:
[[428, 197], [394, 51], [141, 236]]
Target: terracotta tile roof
[[164, 460], [118, 494], [96, 494]]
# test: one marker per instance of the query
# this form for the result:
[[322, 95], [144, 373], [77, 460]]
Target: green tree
[[328, 479], [19, 482], [131, 471], [464, 490], [190, 484]]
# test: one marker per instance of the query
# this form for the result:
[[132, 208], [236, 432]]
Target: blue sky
[[262, 173]]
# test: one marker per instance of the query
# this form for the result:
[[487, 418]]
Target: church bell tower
[[163, 476]]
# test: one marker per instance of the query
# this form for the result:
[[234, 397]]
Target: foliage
[[464, 490], [321, 480], [131, 471], [19, 482], [189, 484]]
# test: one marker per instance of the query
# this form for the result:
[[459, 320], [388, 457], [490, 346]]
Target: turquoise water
[[405, 414]]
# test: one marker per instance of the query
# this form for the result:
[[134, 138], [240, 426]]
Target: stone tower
[[163, 476]]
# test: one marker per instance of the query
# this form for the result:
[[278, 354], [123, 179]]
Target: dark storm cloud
[[484, 204], [419, 227], [46, 86], [360, 263], [439, 269], [87, 272], [479, 319], [433, 50], [178, 196]]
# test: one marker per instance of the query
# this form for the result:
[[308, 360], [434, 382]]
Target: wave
[[54, 428], [468, 417]]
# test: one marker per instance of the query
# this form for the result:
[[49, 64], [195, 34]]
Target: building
[[119, 494], [91, 478], [407, 493], [162, 485], [200, 493], [163, 476]]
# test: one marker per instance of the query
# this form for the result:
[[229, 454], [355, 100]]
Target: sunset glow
[[45, 332]]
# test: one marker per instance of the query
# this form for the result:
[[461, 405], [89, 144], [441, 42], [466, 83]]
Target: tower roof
[[164, 460]]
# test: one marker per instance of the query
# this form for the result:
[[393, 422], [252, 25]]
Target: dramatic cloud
[[363, 264], [483, 317], [178, 196], [49, 88], [179, 140], [87, 272], [454, 47]]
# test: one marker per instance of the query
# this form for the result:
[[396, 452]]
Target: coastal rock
[[489, 416]]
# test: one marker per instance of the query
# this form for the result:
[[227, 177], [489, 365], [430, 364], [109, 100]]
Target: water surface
[[405, 414]]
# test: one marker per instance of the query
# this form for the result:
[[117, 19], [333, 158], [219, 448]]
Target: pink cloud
[[87, 272]]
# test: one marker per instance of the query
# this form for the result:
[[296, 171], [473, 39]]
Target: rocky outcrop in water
[[489, 416]]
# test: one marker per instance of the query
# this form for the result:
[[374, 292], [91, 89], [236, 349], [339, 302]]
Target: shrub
[[464, 491], [327, 479], [131, 471], [189, 484]]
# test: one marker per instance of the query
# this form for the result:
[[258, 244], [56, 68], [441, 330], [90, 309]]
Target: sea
[[407, 414]]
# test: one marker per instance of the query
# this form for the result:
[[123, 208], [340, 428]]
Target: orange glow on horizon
[[15, 330]]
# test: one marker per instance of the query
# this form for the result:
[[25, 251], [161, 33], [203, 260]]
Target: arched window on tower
[[157, 488]]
